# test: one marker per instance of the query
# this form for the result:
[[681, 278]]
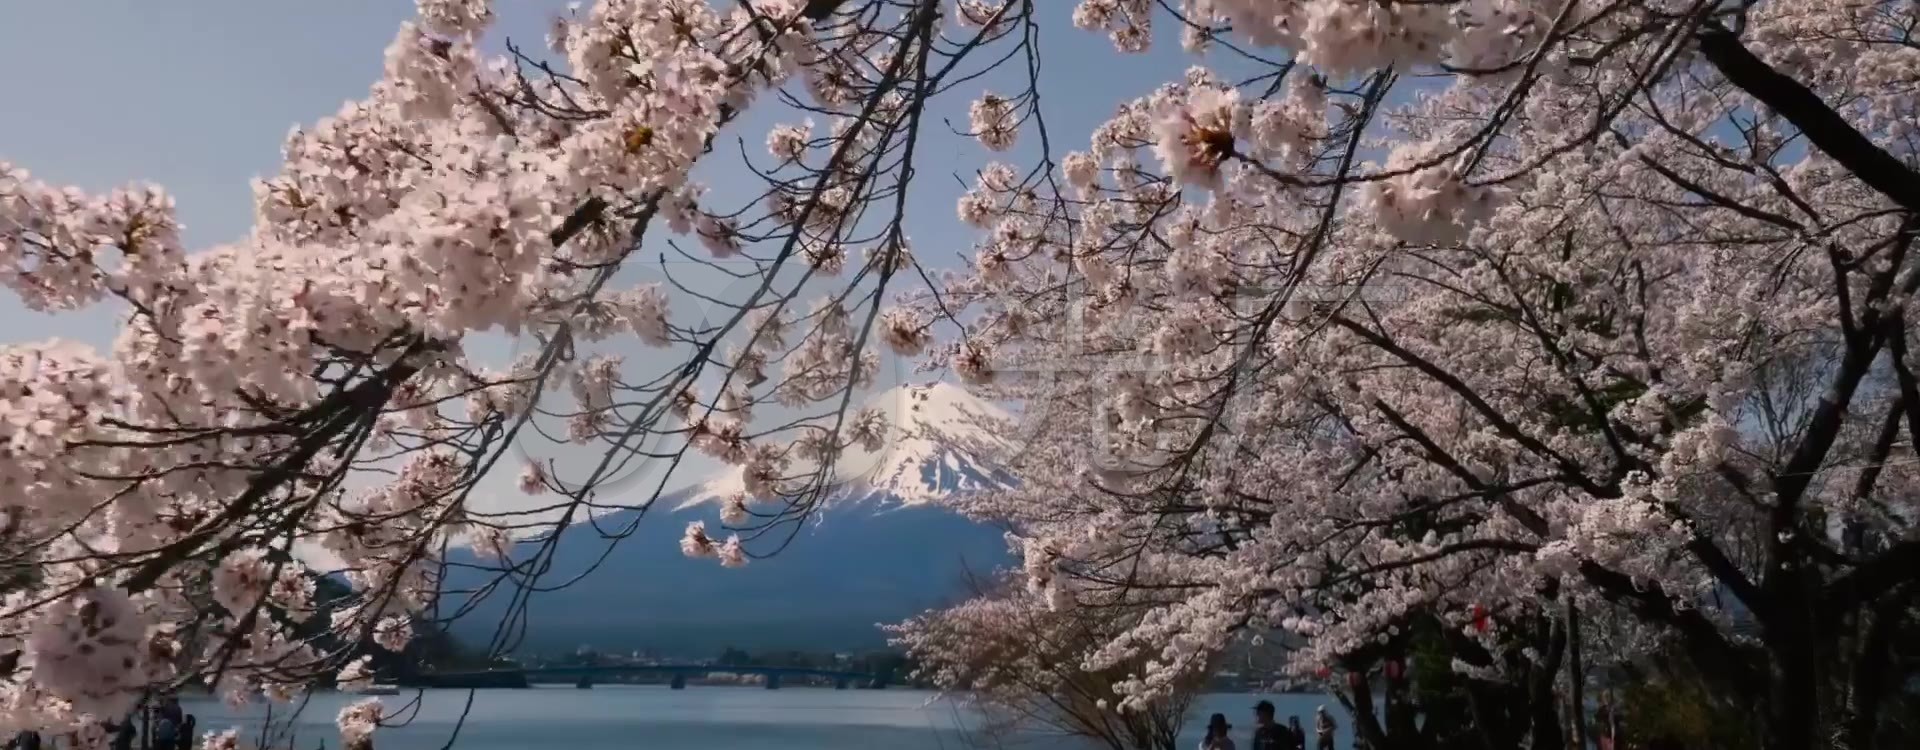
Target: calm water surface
[[702, 718]]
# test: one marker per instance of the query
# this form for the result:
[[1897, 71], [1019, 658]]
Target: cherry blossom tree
[[308, 391], [1467, 312], [1478, 314], [1021, 665]]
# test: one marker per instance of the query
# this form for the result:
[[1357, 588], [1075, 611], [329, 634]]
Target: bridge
[[678, 673]]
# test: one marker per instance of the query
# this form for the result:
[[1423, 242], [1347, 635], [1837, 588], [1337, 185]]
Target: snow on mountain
[[894, 556], [941, 440]]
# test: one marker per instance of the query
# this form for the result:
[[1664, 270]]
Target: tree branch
[[1824, 127], [1889, 569], [1711, 651], [818, 10]]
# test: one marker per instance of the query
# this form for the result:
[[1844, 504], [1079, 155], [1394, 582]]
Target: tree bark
[[1792, 695], [1577, 677], [1866, 688], [1402, 731], [1541, 703]]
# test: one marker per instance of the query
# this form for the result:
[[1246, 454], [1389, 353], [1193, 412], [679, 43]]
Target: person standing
[[1323, 727], [1299, 733], [1218, 734], [166, 732], [170, 709], [1266, 734]]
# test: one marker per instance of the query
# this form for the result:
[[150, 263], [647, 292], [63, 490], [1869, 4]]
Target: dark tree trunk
[[1866, 689], [1541, 705], [1402, 730], [1366, 724], [1577, 677], [1793, 706]]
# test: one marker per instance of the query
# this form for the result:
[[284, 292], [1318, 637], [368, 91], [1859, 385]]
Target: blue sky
[[107, 92], [112, 91]]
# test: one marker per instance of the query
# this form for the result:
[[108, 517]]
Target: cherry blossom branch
[[1822, 126]]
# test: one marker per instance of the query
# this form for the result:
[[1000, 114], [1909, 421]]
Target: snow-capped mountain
[[885, 552], [941, 440]]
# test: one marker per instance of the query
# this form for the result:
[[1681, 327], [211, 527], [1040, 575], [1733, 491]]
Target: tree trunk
[[1402, 730], [1792, 695], [1867, 687], [1542, 705], [1577, 677], [1366, 724]]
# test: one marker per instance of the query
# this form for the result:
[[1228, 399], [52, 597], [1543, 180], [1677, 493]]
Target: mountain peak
[[942, 407], [887, 554], [940, 439]]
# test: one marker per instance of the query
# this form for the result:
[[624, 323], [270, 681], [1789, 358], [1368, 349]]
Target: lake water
[[702, 718]]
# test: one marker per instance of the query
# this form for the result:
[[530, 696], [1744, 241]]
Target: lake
[[702, 718]]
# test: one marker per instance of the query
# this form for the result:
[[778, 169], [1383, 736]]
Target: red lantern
[[1324, 673], [1394, 669], [1480, 622], [1353, 680]]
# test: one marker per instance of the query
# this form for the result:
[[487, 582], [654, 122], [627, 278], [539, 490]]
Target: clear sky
[[104, 92], [199, 96]]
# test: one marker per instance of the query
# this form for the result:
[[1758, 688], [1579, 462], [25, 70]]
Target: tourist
[[166, 731], [1217, 734], [185, 742], [1266, 734], [170, 709], [1299, 733], [26, 739], [1323, 727]]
